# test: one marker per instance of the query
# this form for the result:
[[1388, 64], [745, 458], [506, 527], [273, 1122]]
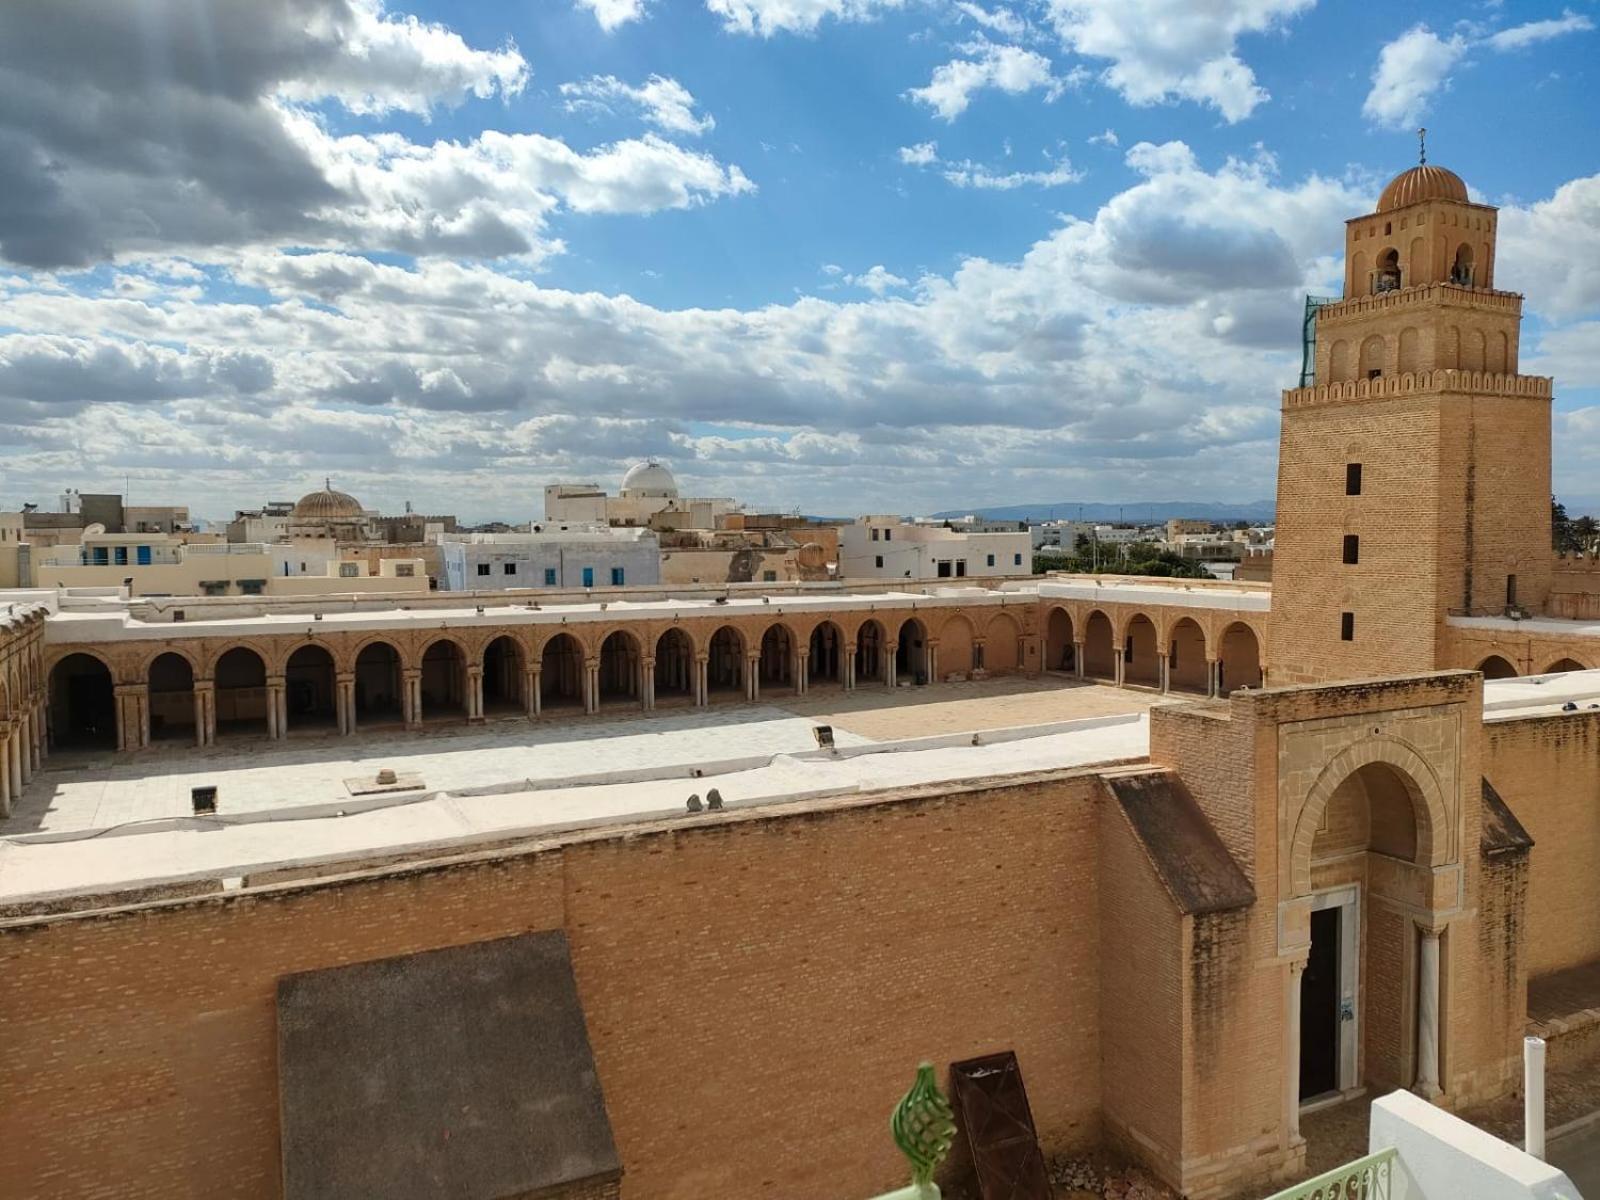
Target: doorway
[[1319, 1008]]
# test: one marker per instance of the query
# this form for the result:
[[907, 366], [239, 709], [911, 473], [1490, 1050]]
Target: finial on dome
[[327, 482], [1422, 146]]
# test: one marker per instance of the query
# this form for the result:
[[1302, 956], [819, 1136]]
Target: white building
[[551, 555], [647, 489], [877, 547]]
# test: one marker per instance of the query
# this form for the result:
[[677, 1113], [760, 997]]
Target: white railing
[[1369, 1178]]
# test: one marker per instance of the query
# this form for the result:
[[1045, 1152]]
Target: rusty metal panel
[[993, 1112]]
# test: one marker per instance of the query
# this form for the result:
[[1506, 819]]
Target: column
[[1121, 667], [41, 747], [802, 672], [647, 694], [475, 693], [1077, 659], [1291, 1057], [133, 716], [25, 747], [1428, 1017], [5, 774], [892, 649], [1211, 677], [1166, 673], [533, 693], [700, 680], [205, 709], [344, 701], [752, 677], [14, 761], [277, 707], [849, 668], [933, 661], [411, 697]]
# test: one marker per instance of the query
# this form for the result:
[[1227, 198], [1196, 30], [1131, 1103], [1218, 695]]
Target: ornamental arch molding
[[1435, 842]]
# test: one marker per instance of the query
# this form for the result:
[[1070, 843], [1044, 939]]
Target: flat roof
[[104, 823], [1188, 593], [1561, 626], [1540, 695]]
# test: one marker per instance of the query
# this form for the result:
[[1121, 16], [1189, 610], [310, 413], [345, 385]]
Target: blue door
[[588, 577]]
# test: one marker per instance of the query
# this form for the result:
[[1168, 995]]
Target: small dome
[[327, 505], [1421, 183], [649, 478]]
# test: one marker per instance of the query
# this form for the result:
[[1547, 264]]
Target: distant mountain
[[1145, 512]]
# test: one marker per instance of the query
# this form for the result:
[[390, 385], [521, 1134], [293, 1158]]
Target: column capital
[[131, 689]]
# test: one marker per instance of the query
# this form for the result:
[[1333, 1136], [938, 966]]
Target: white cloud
[[225, 151], [1519, 37], [1174, 49], [1008, 69], [1108, 138], [921, 155], [1001, 20], [1548, 249], [612, 14], [876, 280], [969, 174], [1410, 69], [664, 102], [767, 17]]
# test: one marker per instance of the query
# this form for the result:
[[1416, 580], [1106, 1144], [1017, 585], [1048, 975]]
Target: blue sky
[[835, 255]]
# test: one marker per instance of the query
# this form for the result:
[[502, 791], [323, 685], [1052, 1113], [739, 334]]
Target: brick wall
[[758, 991]]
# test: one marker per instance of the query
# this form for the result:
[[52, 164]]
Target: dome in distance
[[1421, 183], [649, 479], [327, 505]]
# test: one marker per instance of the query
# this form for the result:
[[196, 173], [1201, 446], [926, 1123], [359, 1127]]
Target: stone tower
[[1414, 462]]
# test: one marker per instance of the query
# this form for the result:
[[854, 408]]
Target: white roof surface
[[1540, 695], [276, 814]]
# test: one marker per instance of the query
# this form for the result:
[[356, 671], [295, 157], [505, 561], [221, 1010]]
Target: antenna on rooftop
[[1422, 146]]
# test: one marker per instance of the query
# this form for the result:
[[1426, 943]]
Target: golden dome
[[327, 505], [1421, 183]]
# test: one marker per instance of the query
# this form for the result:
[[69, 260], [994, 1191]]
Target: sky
[[830, 256]]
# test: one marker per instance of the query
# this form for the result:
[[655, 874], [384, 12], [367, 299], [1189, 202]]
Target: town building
[[648, 492], [552, 555], [1242, 851], [884, 547]]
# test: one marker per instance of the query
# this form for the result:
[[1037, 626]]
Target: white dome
[[649, 479]]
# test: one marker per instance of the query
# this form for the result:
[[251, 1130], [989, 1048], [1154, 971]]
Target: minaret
[[1414, 467]]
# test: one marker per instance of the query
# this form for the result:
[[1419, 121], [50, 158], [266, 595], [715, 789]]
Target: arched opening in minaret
[[1388, 275], [1461, 269], [1495, 667]]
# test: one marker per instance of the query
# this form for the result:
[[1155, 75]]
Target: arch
[[502, 676], [675, 666], [83, 703], [444, 679], [1450, 348], [1002, 645], [1473, 348], [1410, 349], [1386, 274], [1339, 362], [1059, 652], [911, 651], [171, 680], [1495, 667], [1417, 260], [378, 683], [1564, 664], [872, 659], [1461, 268], [1372, 354], [561, 671], [1099, 647], [1499, 353], [725, 662], [1141, 661], [241, 691], [955, 647], [1484, 276], [1187, 668], [310, 688], [1238, 658], [621, 668], [827, 650], [1360, 285], [1404, 772], [776, 666]]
